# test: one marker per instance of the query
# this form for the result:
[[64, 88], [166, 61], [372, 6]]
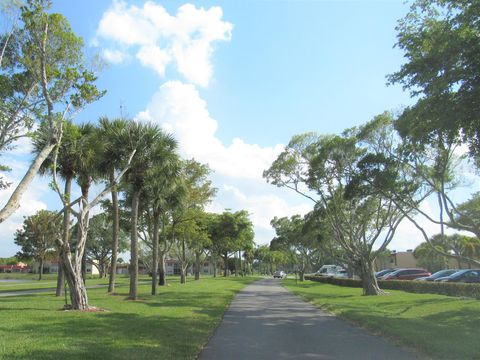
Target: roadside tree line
[[364, 182], [157, 200]]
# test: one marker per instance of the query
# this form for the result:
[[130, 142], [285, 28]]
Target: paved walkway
[[265, 321]]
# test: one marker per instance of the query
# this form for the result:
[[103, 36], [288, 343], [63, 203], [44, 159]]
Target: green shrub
[[425, 287]]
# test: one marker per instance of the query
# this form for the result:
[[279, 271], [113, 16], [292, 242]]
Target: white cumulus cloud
[[179, 108], [186, 39]]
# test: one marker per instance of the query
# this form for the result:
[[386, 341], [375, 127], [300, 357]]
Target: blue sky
[[234, 80]]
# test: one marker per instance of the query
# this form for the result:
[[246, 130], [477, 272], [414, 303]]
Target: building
[[51, 267], [19, 268], [406, 259]]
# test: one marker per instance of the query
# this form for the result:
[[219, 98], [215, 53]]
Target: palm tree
[[152, 146], [66, 168], [113, 135], [160, 185]]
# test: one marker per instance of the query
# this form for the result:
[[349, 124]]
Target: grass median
[[175, 324], [435, 325]]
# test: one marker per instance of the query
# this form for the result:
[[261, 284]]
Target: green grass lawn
[[172, 325], [31, 282], [435, 325]]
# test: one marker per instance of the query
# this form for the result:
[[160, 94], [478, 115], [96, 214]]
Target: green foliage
[[99, 239], [230, 232], [39, 235], [427, 257], [440, 41]]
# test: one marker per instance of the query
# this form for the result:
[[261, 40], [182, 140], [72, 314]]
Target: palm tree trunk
[[156, 221], [115, 234], [85, 190], [134, 248]]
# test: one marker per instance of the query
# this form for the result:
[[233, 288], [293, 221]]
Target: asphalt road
[[265, 321]]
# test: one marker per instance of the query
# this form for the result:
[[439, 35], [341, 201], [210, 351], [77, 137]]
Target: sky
[[233, 81]]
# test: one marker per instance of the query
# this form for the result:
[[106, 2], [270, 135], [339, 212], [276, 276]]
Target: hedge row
[[428, 287]]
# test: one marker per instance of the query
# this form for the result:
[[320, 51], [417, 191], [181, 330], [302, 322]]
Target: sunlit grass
[[172, 325], [436, 325]]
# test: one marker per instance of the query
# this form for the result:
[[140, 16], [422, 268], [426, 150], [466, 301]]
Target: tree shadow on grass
[[115, 336]]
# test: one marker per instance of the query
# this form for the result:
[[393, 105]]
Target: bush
[[428, 287]]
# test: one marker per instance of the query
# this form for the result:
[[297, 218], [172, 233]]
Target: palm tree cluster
[[156, 197]]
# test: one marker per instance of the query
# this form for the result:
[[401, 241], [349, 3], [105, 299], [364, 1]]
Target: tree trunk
[[235, 261], [84, 267], [183, 276], [134, 248], [78, 292], [367, 275], [197, 265], [60, 279], [14, 202], [214, 266], [40, 270], [225, 262], [85, 187], [302, 275], [115, 234], [162, 279], [156, 220], [65, 238]]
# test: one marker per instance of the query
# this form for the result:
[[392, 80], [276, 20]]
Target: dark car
[[384, 272], [438, 274], [467, 276], [406, 274]]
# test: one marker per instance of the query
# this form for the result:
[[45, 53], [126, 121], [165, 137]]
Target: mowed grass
[[172, 325], [439, 326], [31, 282]]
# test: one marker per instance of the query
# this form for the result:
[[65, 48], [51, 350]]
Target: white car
[[279, 274], [328, 270]]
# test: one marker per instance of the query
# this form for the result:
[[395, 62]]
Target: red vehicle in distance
[[406, 274]]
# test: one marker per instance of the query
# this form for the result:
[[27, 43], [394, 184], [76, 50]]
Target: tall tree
[[151, 145], [328, 171], [42, 69], [38, 237], [66, 167], [440, 41], [113, 135], [292, 237]]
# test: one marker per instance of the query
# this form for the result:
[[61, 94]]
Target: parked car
[[341, 273], [384, 272], [328, 270], [405, 274], [438, 274], [279, 274], [467, 276]]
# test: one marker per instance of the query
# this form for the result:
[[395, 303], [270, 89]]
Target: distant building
[[51, 267], [406, 259], [19, 268]]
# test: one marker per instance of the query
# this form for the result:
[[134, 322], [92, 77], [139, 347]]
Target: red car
[[406, 274]]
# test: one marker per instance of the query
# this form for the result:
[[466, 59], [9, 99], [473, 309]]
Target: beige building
[[405, 259]]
